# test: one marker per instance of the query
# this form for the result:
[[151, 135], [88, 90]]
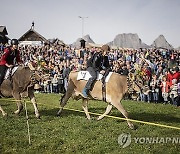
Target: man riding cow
[[8, 58], [97, 63]]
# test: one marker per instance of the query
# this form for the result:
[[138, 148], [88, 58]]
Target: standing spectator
[[169, 76], [176, 74], [146, 93], [55, 83], [165, 89], [174, 92], [159, 71], [45, 86], [48, 84], [66, 72], [61, 84], [154, 88], [123, 70]]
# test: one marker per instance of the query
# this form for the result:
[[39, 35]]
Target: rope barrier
[[137, 121], [27, 120]]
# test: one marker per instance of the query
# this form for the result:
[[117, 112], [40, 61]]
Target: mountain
[[161, 42], [87, 38], [128, 40], [178, 48]]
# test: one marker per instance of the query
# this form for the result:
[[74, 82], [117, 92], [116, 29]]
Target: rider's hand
[[21, 64], [9, 65], [102, 71]]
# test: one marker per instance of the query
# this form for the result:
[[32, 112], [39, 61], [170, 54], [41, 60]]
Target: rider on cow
[[8, 58], [97, 63]]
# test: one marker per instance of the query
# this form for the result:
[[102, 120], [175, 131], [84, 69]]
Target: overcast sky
[[106, 19]]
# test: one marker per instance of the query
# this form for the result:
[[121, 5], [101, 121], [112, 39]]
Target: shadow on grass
[[149, 117], [154, 117], [65, 113], [5, 104]]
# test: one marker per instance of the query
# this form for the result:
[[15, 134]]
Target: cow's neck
[[129, 85]]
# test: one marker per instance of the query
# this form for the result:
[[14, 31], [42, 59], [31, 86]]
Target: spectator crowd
[[158, 68]]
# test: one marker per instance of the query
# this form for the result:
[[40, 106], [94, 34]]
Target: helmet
[[14, 42]]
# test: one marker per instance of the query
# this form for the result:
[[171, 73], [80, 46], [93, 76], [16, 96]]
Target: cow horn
[[31, 67]]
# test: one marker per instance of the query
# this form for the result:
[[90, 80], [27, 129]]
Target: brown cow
[[22, 82], [116, 88]]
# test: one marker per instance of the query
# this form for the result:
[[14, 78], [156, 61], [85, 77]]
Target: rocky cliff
[[161, 42]]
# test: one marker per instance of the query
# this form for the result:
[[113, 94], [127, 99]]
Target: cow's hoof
[[59, 113], [38, 116], [5, 115], [16, 112], [88, 118], [100, 117], [131, 126]]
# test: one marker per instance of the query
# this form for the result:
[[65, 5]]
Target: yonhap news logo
[[125, 140]]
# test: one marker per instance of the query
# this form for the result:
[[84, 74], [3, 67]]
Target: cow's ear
[[130, 75]]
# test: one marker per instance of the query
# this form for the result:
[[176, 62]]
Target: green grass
[[73, 133]]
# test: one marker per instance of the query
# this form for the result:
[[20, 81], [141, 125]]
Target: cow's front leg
[[116, 103], [3, 112], [108, 109], [19, 103], [85, 108], [33, 101]]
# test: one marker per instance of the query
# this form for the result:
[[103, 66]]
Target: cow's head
[[36, 76], [134, 84]]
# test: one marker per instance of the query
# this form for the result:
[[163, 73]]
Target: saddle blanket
[[85, 75], [12, 72]]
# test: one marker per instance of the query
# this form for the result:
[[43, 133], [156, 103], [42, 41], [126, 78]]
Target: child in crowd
[[165, 89], [154, 88]]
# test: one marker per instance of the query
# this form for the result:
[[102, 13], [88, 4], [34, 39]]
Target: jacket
[[9, 56], [98, 62], [176, 76], [165, 85]]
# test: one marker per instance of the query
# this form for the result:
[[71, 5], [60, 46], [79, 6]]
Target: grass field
[[73, 133]]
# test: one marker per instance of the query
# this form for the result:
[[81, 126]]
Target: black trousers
[[92, 80], [105, 74], [3, 69]]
